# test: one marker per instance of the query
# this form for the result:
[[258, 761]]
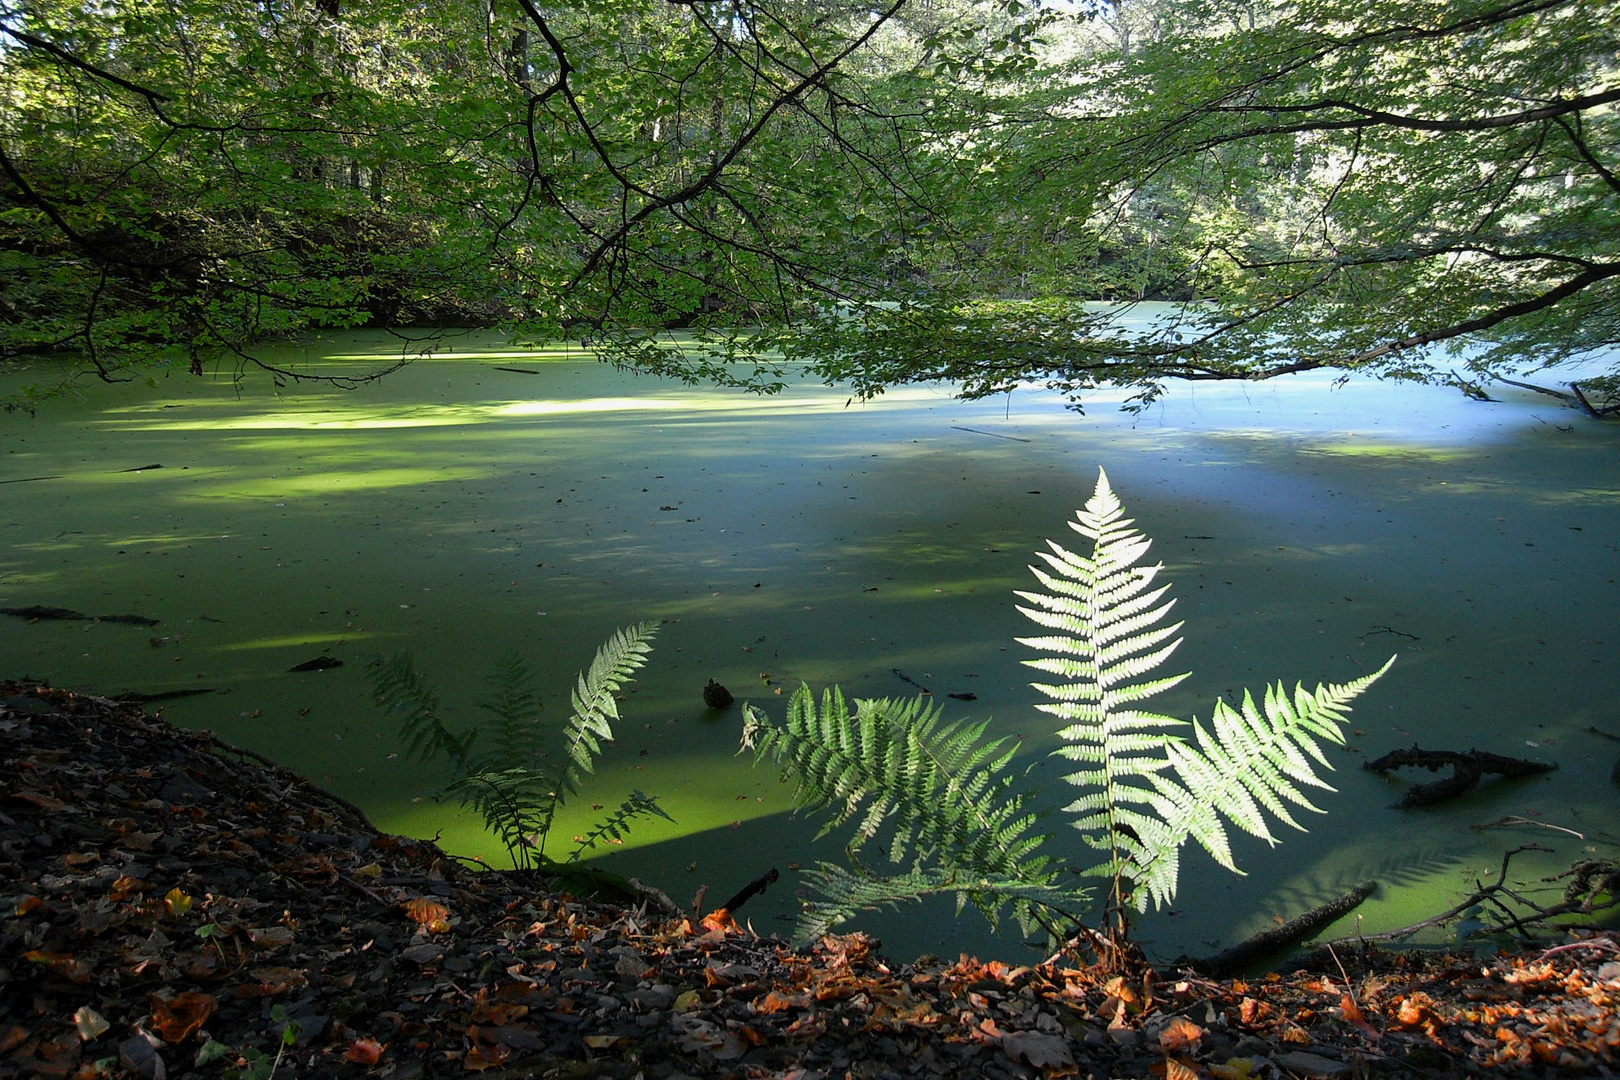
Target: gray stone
[[1311, 1064], [138, 1056]]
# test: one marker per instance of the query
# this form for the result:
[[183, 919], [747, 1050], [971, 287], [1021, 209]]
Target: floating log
[[1290, 933], [36, 612], [1467, 767], [40, 611], [137, 698], [130, 620]]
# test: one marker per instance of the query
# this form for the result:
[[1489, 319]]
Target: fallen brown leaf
[[424, 911], [365, 1051], [1179, 1034], [179, 1017]]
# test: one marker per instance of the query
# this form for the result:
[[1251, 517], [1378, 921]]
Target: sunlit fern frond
[[1145, 787], [398, 688], [1106, 612], [594, 704], [515, 734], [840, 895], [943, 792], [615, 825]]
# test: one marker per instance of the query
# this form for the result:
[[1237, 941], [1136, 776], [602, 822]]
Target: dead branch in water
[[1289, 933], [1467, 767]]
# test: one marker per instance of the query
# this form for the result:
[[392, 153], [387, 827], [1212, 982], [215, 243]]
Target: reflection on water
[[457, 510]]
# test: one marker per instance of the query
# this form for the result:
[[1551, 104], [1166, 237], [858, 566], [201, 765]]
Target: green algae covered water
[[458, 511]]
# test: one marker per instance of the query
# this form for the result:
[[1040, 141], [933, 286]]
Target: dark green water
[[458, 511]]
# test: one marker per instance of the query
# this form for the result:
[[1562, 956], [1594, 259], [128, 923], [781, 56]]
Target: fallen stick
[[903, 677], [652, 896], [992, 434], [751, 890], [1571, 400], [1289, 933], [1514, 819]]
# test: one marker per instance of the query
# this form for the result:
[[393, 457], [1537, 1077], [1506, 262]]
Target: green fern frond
[[937, 785], [517, 805], [943, 792], [617, 824], [1108, 609], [593, 701], [398, 688], [841, 895]]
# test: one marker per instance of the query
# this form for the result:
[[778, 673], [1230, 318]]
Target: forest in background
[[929, 189]]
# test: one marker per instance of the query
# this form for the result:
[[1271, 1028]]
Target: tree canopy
[[926, 189]]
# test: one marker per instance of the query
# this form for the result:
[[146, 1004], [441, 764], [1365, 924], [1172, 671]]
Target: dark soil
[[174, 908]]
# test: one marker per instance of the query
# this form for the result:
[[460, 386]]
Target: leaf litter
[[178, 908]]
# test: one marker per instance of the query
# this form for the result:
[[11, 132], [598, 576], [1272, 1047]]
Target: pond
[[458, 510]]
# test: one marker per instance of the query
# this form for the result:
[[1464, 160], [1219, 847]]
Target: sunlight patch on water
[[1573, 496], [320, 420], [347, 482], [1404, 452], [160, 540], [296, 640]]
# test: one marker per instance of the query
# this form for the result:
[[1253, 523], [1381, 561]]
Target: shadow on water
[[457, 511]]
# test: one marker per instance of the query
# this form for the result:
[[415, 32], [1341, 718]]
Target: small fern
[[504, 772], [1147, 789], [943, 793]]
